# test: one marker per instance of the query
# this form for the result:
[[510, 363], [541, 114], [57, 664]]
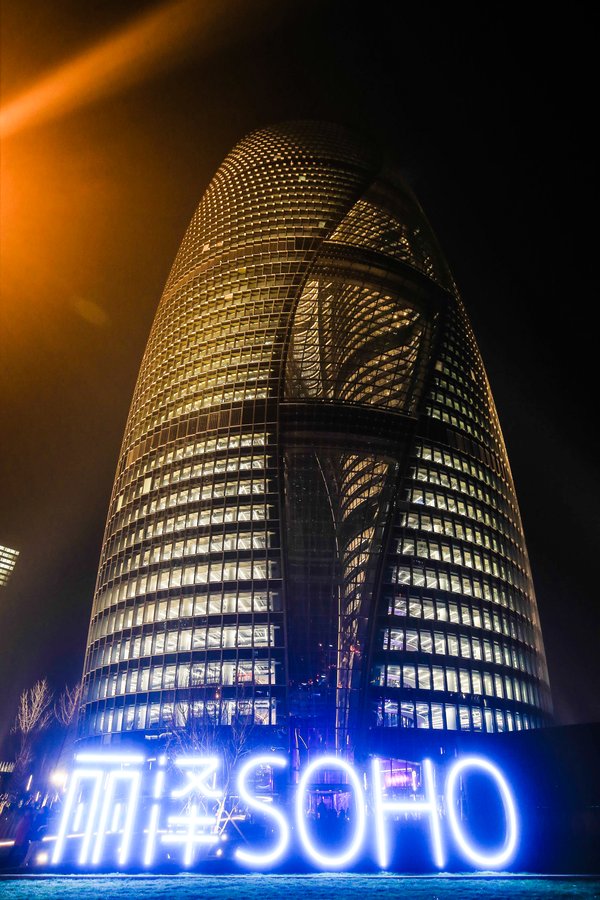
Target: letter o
[[322, 859], [482, 860]]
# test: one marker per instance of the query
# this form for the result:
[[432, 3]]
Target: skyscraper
[[313, 523]]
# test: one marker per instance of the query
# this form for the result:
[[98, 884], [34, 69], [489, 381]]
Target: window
[[409, 676], [393, 676], [452, 680], [424, 678]]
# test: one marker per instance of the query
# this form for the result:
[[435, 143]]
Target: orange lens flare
[[123, 58]]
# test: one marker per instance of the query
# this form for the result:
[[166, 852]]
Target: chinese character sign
[[124, 810]]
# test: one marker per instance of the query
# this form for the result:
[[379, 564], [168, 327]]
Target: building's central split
[[313, 526]]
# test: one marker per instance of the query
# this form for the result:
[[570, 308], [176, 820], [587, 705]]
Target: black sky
[[489, 113]]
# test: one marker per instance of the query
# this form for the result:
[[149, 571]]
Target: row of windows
[[199, 390], [465, 583], [197, 519], [182, 676], [181, 353], [155, 418], [392, 714], [183, 608], [459, 357], [177, 577], [459, 424], [478, 535], [205, 468], [181, 358], [469, 398], [249, 307], [470, 413], [254, 303], [467, 613], [216, 397], [247, 484], [449, 368], [448, 644], [201, 638], [470, 487], [178, 715], [182, 381], [463, 506], [244, 488], [233, 367], [255, 307], [168, 457], [469, 557], [467, 681], [201, 546]]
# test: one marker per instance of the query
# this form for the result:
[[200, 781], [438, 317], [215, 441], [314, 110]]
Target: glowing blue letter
[[482, 860], [263, 859], [78, 776], [135, 779], [322, 859], [208, 766], [157, 793], [429, 806]]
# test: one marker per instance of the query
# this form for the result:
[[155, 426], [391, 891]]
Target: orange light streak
[[125, 57]]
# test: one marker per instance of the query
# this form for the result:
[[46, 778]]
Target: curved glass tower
[[313, 525]]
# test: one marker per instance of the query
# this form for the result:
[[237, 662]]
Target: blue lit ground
[[289, 887]]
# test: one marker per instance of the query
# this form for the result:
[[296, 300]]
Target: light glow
[[325, 860], [473, 854], [272, 856], [427, 806], [59, 778]]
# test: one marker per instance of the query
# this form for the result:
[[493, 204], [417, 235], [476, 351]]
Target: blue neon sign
[[120, 811]]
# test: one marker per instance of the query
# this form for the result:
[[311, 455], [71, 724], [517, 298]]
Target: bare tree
[[67, 706], [66, 711], [34, 714], [215, 727], [35, 709]]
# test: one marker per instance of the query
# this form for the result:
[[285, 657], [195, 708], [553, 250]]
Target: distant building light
[[59, 778], [8, 559]]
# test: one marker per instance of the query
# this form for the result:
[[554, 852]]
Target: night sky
[[488, 114]]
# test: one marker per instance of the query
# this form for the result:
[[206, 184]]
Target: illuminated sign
[[125, 810]]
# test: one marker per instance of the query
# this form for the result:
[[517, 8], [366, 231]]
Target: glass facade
[[313, 524]]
